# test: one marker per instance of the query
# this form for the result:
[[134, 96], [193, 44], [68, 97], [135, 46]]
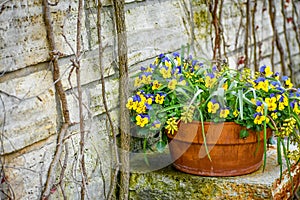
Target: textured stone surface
[[27, 170], [169, 183], [30, 118], [29, 124], [23, 34]]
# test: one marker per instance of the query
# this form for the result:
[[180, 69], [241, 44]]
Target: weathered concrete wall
[[30, 115]]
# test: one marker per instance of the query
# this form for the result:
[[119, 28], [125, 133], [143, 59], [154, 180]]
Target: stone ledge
[[169, 183]]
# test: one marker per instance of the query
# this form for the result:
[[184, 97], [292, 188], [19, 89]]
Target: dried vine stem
[[254, 36], [215, 20], [272, 13], [287, 43], [246, 61], [63, 102], [124, 114], [116, 167], [76, 64]]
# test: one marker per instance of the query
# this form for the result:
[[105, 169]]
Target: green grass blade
[[279, 155], [288, 164], [203, 135]]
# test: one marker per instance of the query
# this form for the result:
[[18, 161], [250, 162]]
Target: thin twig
[[215, 20], [63, 102], [112, 130], [254, 35], [246, 60], [79, 90], [272, 13], [119, 7], [287, 43]]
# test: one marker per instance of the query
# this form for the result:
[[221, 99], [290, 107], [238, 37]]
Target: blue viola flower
[[211, 75], [176, 54], [148, 106], [214, 68], [284, 78], [262, 69], [161, 55], [194, 62], [259, 79], [137, 98], [258, 103]]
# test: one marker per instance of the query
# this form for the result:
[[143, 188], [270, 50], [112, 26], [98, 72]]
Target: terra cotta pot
[[230, 155]]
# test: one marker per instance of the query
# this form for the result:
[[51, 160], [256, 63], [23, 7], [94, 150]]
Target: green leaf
[[244, 133], [145, 154], [161, 145], [240, 97]]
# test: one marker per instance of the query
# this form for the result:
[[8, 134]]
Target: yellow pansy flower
[[156, 85], [142, 120], [172, 84], [271, 102], [268, 71], [159, 98], [165, 73], [224, 113], [213, 107], [137, 82]]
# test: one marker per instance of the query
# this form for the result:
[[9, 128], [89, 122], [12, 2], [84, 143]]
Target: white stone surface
[[33, 116]]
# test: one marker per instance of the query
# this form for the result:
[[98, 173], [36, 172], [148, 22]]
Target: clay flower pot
[[230, 155]]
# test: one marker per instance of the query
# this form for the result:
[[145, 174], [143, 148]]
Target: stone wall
[[30, 115]]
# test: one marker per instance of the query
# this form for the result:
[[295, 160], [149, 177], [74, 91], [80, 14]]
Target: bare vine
[[213, 8], [115, 169], [246, 60], [254, 28], [123, 81], [272, 13], [63, 101]]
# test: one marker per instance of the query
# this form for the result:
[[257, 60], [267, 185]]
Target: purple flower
[[257, 114], [149, 107], [176, 54], [165, 59], [214, 68], [298, 92], [260, 79], [136, 98], [194, 62], [292, 104], [161, 56], [274, 83], [213, 101], [258, 103], [262, 69], [211, 75], [284, 78]]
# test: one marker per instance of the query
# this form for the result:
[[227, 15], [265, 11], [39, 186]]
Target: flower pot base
[[220, 173], [230, 155]]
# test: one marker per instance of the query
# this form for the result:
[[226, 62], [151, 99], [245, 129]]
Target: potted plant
[[217, 119]]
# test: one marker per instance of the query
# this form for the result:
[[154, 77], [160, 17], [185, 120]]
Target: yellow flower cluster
[[294, 155], [187, 114], [171, 125], [287, 127], [139, 102]]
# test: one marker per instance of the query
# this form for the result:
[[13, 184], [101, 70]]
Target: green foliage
[[174, 89]]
